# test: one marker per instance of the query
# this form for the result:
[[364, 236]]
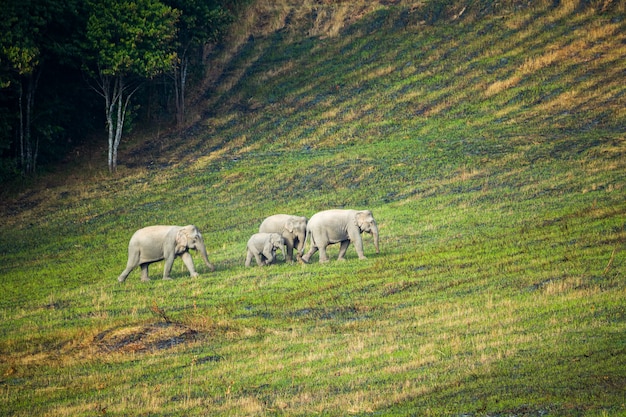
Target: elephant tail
[[310, 237]]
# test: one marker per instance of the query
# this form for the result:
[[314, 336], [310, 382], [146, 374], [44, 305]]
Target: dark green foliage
[[35, 73], [46, 49]]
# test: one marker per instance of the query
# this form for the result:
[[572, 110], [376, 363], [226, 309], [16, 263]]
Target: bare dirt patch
[[145, 338]]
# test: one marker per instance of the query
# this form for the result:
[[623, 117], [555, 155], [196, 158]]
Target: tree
[[201, 22], [20, 55], [36, 41], [129, 41]]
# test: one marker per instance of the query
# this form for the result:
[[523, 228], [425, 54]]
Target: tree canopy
[[52, 50], [127, 38], [132, 36]]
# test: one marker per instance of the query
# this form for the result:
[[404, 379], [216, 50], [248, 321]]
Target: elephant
[[263, 247], [155, 243], [291, 228], [340, 226]]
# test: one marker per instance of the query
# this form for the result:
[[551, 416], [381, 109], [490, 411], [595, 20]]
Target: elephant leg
[[311, 252], [168, 267], [358, 245], [144, 272], [323, 255], [259, 259], [133, 261], [342, 249], [289, 257], [269, 259], [186, 257], [249, 258], [124, 274]]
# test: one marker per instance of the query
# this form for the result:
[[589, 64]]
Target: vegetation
[[49, 48], [129, 38], [489, 145]]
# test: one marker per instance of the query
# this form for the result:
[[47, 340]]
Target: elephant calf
[[155, 243], [263, 247], [340, 226], [291, 228]]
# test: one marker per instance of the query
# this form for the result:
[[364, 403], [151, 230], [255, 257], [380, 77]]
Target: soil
[[146, 338]]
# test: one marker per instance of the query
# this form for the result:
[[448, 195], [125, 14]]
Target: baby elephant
[[263, 247], [156, 243]]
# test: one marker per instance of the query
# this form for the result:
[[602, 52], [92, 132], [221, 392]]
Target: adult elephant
[[340, 226], [291, 228], [156, 243]]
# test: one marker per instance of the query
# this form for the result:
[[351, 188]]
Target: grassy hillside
[[489, 144]]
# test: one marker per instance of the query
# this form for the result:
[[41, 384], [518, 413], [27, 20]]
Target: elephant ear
[[278, 241], [181, 241], [361, 218], [289, 226], [358, 218]]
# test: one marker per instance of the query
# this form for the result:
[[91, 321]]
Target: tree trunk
[[108, 108], [119, 120], [28, 152], [21, 130], [116, 105], [180, 80], [27, 125]]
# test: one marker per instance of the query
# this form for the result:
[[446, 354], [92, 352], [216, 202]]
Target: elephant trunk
[[300, 248], [374, 232], [205, 257]]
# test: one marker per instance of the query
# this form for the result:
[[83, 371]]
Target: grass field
[[490, 146]]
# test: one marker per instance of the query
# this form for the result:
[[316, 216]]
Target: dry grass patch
[[145, 338], [502, 85]]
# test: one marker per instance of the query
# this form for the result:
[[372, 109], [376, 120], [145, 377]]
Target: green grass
[[491, 151]]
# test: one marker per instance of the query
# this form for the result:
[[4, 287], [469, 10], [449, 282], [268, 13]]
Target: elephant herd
[[281, 231]]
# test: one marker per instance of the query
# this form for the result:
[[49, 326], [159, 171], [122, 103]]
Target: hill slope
[[488, 143]]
